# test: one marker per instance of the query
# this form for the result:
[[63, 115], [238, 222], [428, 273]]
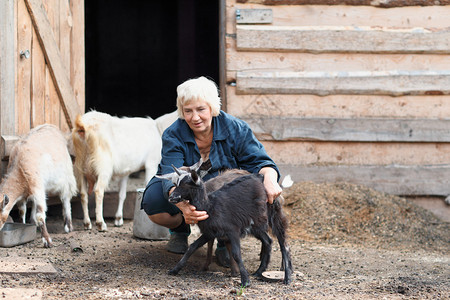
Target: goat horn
[[176, 170]]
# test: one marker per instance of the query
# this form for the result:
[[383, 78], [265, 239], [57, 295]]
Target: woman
[[222, 141]]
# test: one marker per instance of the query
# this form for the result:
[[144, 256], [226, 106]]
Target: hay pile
[[347, 213]]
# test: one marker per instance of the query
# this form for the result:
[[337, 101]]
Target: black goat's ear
[[171, 176], [195, 177]]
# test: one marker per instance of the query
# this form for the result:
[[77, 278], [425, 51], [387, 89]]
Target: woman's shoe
[[178, 242]]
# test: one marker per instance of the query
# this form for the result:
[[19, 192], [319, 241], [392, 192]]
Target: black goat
[[212, 185], [235, 209]]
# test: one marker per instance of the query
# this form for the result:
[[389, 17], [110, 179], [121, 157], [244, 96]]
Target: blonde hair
[[200, 88]]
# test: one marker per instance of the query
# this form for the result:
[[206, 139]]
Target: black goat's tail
[[278, 222], [277, 219]]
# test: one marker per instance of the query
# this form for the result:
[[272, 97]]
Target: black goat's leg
[[278, 223], [285, 255], [233, 265], [286, 260], [236, 253], [194, 246], [208, 255], [286, 263], [266, 249]]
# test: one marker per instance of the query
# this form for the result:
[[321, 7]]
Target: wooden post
[[7, 67]]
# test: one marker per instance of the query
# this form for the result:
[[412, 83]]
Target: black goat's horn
[[176, 170]]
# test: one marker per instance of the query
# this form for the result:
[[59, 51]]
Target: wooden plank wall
[[42, 68], [356, 93], [52, 32]]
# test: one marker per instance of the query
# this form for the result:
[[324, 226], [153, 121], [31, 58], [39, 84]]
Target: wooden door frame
[[222, 53], [7, 75], [7, 67]]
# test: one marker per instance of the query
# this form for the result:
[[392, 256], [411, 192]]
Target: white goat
[[165, 121], [107, 146], [39, 164]]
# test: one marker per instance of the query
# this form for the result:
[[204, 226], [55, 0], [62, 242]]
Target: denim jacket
[[234, 146]]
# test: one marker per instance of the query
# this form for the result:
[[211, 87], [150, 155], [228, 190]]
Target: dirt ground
[[346, 242]]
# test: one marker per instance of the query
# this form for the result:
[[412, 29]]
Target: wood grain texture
[[385, 4], [393, 83], [54, 60], [342, 39], [23, 93], [344, 15], [357, 153], [7, 66], [430, 180], [39, 85], [360, 129], [77, 66], [339, 106]]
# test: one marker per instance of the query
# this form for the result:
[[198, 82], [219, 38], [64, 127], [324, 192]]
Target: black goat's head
[[185, 188], [180, 173], [185, 179]]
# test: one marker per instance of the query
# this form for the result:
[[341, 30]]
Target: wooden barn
[[350, 90]]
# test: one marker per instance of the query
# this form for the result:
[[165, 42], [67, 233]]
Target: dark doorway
[[138, 52]]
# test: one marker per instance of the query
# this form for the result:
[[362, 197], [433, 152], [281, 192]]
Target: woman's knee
[[153, 199], [166, 219], [154, 202], [156, 218]]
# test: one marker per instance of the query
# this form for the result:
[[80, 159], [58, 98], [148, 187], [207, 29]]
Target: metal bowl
[[13, 234]]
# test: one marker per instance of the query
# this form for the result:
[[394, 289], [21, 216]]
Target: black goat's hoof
[[173, 272], [257, 275], [245, 283]]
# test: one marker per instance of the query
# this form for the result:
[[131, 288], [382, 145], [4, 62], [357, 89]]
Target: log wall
[[356, 93]]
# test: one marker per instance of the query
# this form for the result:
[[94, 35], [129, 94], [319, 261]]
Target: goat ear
[[171, 176], [197, 165], [195, 177]]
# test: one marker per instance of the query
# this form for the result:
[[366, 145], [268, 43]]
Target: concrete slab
[[20, 293], [21, 265]]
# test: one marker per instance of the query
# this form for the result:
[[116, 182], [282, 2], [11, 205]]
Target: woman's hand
[[190, 213], [273, 189]]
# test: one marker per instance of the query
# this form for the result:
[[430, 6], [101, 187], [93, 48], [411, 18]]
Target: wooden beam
[[317, 39], [392, 83], [222, 53], [54, 60], [254, 16], [384, 4], [433, 180], [350, 130], [7, 67], [7, 143], [77, 72]]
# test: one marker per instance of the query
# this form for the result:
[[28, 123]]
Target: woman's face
[[198, 116]]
